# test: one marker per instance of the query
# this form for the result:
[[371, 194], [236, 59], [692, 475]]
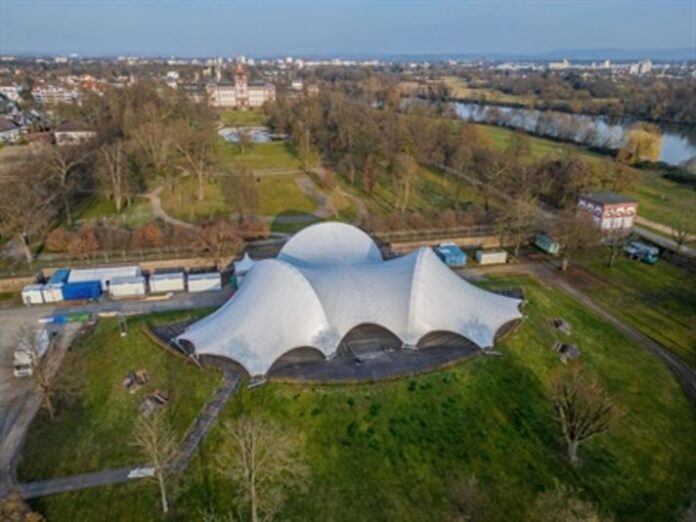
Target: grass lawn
[[433, 190], [278, 194], [94, 208], [274, 155], [395, 450], [541, 148], [92, 431], [657, 197], [248, 118], [659, 300]]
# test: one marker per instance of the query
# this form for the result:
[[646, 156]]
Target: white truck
[[28, 353]]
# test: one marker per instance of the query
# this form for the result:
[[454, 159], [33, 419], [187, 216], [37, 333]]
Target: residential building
[[10, 132], [73, 133], [609, 211]]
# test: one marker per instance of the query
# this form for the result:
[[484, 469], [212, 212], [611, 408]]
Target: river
[[678, 142]]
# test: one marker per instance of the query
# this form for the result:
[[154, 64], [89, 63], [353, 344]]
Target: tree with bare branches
[[574, 232], [262, 460], [158, 444], [63, 164], [115, 173], [683, 225], [241, 190], [28, 205], [517, 220], [583, 407], [47, 381], [218, 238], [195, 145], [562, 504]]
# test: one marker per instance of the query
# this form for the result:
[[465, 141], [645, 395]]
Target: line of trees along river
[[678, 142]]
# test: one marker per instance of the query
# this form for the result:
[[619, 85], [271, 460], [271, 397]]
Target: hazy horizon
[[341, 27]]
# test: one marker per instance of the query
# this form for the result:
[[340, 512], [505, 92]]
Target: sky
[[341, 27]]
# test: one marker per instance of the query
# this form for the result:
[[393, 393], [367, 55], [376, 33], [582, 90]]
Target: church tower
[[241, 86]]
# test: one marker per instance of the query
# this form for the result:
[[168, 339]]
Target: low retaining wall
[[466, 242]]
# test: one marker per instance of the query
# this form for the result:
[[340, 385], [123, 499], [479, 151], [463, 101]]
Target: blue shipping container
[[451, 255], [59, 276], [82, 290]]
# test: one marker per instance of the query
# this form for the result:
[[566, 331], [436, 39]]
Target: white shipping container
[[204, 282], [104, 275], [491, 257], [32, 294], [52, 293], [127, 287], [162, 283]]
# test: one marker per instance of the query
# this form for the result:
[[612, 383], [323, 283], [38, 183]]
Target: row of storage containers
[[455, 257], [119, 282]]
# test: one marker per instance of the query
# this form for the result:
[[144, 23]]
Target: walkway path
[[190, 443], [159, 212], [685, 374]]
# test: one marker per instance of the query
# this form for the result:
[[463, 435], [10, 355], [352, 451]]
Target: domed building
[[330, 280]]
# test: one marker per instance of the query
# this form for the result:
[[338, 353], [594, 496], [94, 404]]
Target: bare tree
[[219, 237], [13, 508], [35, 343], [517, 220], [574, 231], [244, 140], [63, 164], [195, 144], [28, 205], [584, 409], [157, 443], [615, 240], [241, 190], [115, 172], [406, 170], [468, 504], [683, 225], [562, 504], [263, 460]]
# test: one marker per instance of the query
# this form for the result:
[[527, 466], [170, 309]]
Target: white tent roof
[[330, 278], [244, 265]]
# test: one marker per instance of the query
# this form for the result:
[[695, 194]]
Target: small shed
[[32, 294], [167, 282], [546, 244], [491, 257], [451, 254], [204, 282], [128, 287]]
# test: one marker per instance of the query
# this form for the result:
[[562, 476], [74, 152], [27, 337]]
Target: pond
[[678, 142], [256, 134]]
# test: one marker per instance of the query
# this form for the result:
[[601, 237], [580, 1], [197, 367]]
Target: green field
[[659, 300], [397, 450], [93, 208], [91, 431], [277, 195], [660, 199], [274, 155], [541, 148], [247, 118]]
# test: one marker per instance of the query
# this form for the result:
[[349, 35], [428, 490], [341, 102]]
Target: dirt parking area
[[11, 388]]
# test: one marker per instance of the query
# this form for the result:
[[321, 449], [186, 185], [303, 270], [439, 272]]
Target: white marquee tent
[[330, 278]]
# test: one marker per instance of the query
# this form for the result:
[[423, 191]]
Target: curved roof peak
[[330, 243]]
